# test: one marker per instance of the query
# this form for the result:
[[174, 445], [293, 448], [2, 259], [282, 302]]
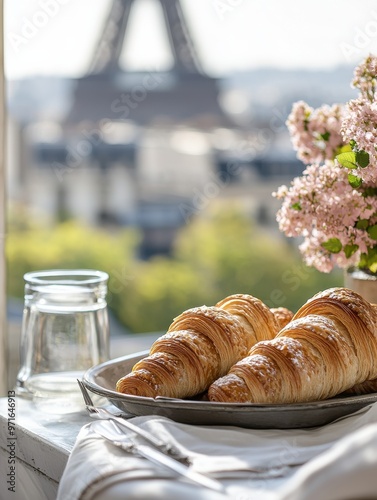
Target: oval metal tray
[[101, 379]]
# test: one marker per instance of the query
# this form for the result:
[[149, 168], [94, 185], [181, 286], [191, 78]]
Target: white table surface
[[44, 441]]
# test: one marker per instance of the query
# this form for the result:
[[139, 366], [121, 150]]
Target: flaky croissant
[[200, 346], [328, 347], [282, 315], [255, 316], [367, 387]]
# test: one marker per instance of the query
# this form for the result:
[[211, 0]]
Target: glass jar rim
[[66, 277]]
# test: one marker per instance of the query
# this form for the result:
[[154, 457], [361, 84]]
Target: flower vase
[[362, 282]]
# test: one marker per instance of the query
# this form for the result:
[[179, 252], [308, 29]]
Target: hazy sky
[[58, 36]]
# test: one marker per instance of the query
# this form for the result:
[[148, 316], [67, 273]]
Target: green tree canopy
[[216, 255]]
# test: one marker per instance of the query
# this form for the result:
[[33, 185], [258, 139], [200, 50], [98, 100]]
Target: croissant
[[329, 346], [258, 320], [282, 315], [200, 346], [367, 387]]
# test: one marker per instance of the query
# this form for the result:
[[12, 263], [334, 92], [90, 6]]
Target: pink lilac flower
[[360, 125], [360, 120], [365, 77], [336, 222], [315, 133], [320, 205]]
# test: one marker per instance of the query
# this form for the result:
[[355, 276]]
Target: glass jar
[[64, 332]]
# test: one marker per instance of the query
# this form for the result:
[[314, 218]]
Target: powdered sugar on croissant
[[200, 346], [328, 347]]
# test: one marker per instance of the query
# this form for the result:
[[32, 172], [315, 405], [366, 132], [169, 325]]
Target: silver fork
[[103, 414]]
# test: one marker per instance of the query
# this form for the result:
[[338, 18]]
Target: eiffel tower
[[183, 94]]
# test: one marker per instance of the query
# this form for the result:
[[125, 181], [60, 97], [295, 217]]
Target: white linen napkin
[[348, 470], [221, 452]]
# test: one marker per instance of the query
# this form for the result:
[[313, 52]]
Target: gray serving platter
[[101, 379]]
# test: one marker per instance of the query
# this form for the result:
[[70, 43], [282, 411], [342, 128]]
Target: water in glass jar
[[65, 332]]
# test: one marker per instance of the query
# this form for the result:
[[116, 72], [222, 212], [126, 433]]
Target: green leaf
[[350, 250], [325, 136], [369, 260], [363, 262], [352, 159], [296, 206], [353, 144], [345, 148], [372, 253], [370, 191], [373, 266], [362, 224], [342, 149], [362, 159], [333, 245], [348, 159], [372, 231], [354, 181]]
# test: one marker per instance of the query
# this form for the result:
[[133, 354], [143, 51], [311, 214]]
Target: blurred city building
[[150, 149]]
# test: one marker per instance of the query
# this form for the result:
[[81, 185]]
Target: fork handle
[[145, 435]]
